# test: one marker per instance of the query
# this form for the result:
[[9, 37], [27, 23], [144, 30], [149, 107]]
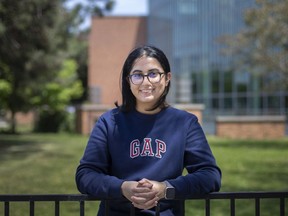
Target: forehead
[[146, 63]]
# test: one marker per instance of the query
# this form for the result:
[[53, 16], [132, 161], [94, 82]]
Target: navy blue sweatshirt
[[132, 145]]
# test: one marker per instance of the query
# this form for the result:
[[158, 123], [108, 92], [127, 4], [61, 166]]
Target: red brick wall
[[245, 127], [87, 115], [23, 118], [196, 109], [110, 41]]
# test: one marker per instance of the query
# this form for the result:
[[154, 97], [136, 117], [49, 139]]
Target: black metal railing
[[82, 198]]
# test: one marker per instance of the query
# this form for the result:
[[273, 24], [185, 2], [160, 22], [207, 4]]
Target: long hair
[[128, 99]]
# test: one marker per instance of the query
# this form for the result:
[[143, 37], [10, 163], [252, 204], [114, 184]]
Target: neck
[[147, 110]]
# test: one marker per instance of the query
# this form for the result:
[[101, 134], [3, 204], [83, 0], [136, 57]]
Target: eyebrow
[[151, 70]]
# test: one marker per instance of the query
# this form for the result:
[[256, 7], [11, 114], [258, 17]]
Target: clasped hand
[[143, 194]]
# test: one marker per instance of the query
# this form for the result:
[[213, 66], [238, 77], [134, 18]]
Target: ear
[[168, 78]]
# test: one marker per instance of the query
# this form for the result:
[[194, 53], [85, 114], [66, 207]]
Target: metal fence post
[[7, 210], [232, 207], [57, 208], [32, 208], [82, 208]]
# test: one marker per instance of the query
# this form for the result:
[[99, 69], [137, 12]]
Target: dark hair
[[128, 99]]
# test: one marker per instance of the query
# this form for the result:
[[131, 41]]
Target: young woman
[[136, 152]]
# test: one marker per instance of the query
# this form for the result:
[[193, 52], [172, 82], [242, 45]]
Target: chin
[[147, 100]]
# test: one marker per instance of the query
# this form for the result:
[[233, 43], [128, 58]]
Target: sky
[[121, 8], [130, 7]]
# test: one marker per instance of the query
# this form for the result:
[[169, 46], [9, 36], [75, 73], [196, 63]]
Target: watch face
[[170, 193]]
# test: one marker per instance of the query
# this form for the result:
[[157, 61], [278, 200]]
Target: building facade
[[188, 31]]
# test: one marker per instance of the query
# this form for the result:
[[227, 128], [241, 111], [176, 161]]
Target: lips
[[146, 90]]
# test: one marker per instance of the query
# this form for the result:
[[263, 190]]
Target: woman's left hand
[[146, 199]]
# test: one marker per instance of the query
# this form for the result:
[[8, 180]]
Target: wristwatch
[[169, 191]]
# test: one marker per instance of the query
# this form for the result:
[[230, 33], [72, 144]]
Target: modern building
[[189, 31]]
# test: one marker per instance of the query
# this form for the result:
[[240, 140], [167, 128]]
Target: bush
[[50, 121]]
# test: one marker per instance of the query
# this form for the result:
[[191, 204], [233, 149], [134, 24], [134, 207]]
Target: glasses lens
[[154, 77], [136, 78]]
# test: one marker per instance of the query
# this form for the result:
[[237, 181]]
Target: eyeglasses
[[153, 77]]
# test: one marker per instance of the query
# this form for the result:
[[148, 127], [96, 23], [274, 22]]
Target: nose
[[146, 79]]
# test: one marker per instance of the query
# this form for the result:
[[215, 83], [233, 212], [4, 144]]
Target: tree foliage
[[32, 48], [262, 46], [5, 88], [36, 37], [55, 95]]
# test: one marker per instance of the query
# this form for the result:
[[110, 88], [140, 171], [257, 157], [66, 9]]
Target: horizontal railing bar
[[46, 197], [85, 197], [244, 195]]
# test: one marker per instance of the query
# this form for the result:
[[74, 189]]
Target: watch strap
[[169, 191]]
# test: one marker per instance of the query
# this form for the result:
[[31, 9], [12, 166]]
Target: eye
[[137, 76], [153, 74]]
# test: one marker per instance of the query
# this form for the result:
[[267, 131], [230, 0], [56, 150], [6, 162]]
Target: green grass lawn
[[46, 163]]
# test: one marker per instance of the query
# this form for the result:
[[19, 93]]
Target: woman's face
[[148, 93]]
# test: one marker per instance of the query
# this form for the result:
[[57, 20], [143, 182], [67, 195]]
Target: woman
[[136, 152]]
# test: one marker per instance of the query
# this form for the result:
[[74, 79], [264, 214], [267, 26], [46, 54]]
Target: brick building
[[111, 39]]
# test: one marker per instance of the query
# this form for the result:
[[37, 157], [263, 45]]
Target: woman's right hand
[[141, 194]]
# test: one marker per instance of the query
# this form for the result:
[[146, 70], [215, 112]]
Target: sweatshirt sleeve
[[204, 176], [92, 173]]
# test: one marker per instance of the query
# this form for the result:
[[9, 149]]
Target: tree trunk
[[13, 122]]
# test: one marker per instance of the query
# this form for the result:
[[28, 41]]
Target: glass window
[[187, 7], [228, 103], [215, 82], [228, 81], [215, 103], [273, 102], [242, 102]]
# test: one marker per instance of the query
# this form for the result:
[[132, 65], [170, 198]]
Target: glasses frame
[[147, 75]]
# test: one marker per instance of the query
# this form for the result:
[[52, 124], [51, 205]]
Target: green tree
[[55, 95], [5, 88], [31, 48], [36, 36], [262, 47]]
